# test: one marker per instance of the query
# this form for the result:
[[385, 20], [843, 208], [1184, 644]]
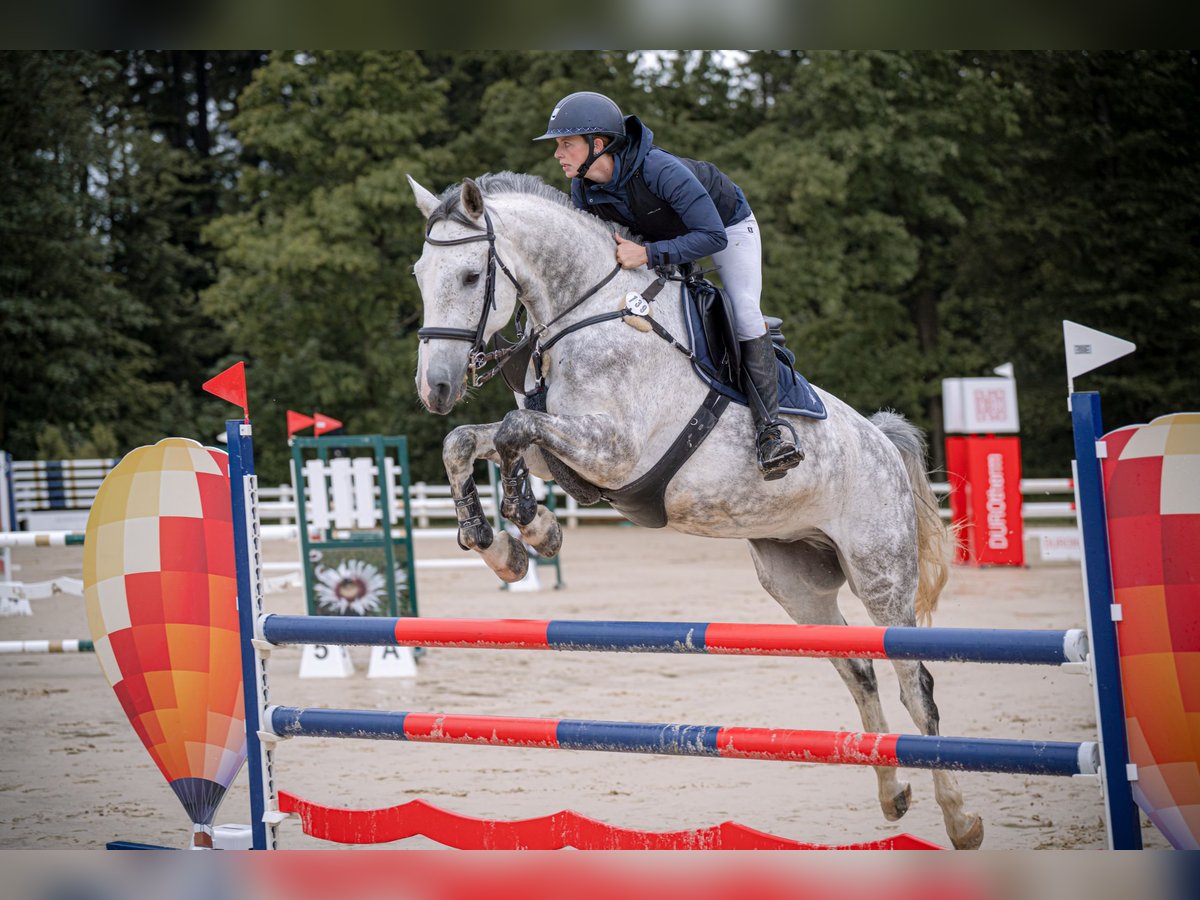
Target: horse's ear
[[472, 199], [426, 202]]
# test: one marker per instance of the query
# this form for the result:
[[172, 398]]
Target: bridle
[[478, 358]]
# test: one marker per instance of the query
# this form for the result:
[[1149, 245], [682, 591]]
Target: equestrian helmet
[[584, 112]]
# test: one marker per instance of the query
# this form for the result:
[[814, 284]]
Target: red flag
[[297, 422], [230, 385], [324, 423]]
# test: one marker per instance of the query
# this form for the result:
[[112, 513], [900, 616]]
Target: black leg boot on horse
[[776, 453]]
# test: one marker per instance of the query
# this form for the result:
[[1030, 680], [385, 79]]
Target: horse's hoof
[[971, 837], [899, 804], [507, 558], [518, 564], [545, 534]]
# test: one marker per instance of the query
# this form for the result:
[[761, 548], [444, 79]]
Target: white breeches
[[741, 274]]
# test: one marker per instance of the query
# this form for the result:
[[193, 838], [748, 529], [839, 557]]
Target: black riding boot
[[776, 452]]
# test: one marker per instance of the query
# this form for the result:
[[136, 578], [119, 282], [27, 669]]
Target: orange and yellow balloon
[[161, 595], [1152, 496]]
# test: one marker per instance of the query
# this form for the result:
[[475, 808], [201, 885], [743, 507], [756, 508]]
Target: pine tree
[[70, 358]]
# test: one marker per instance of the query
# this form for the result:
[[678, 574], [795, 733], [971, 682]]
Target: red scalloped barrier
[[554, 832]]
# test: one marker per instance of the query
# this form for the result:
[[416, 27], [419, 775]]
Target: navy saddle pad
[[796, 395]]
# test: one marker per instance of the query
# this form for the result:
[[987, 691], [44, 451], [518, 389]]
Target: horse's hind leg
[[886, 582], [804, 579], [916, 692]]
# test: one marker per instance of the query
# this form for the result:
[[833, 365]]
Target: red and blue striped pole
[[783, 745], [952, 644]]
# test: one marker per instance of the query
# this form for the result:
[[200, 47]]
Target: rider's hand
[[630, 255]]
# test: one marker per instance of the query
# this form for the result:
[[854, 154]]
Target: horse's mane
[[492, 183]]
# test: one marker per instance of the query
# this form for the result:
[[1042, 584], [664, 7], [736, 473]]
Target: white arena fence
[[57, 495], [1048, 522], [433, 503], [52, 495]]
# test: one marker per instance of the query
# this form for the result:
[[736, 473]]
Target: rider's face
[[571, 152]]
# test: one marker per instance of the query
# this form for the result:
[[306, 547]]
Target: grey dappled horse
[[859, 509]]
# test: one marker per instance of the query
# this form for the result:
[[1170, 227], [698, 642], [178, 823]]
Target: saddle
[[717, 353]]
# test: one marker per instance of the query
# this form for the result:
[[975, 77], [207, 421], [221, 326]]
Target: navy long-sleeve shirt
[[669, 179]]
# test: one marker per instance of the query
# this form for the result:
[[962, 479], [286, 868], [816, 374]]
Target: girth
[[642, 501]]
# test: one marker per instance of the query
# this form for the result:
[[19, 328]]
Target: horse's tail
[[933, 538]]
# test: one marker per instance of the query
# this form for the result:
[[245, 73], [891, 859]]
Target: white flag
[[1089, 349]]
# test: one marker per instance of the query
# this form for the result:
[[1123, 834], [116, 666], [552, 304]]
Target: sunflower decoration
[[353, 587]]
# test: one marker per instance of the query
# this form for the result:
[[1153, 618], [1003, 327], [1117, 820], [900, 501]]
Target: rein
[[647, 296], [508, 357]]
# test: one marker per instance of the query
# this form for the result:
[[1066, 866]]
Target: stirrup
[[778, 466]]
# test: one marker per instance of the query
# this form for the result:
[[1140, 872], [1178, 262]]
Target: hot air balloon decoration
[[1152, 498], [161, 593]]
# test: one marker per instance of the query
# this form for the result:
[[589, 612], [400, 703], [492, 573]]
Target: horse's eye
[[471, 278]]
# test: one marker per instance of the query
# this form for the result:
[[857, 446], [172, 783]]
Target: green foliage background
[[925, 215]]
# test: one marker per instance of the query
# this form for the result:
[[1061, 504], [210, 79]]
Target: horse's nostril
[[440, 394]]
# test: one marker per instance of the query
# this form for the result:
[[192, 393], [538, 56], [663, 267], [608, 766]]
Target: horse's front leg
[[591, 445], [538, 525], [462, 446]]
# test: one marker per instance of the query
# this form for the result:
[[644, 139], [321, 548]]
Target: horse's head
[[464, 291]]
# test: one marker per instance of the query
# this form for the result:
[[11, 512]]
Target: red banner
[[956, 474], [985, 499]]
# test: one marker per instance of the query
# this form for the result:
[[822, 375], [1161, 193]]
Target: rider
[[685, 210]]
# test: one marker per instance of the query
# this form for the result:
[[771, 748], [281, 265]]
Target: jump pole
[[980, 645], [41, 538], [853, 748], [65, 646]]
